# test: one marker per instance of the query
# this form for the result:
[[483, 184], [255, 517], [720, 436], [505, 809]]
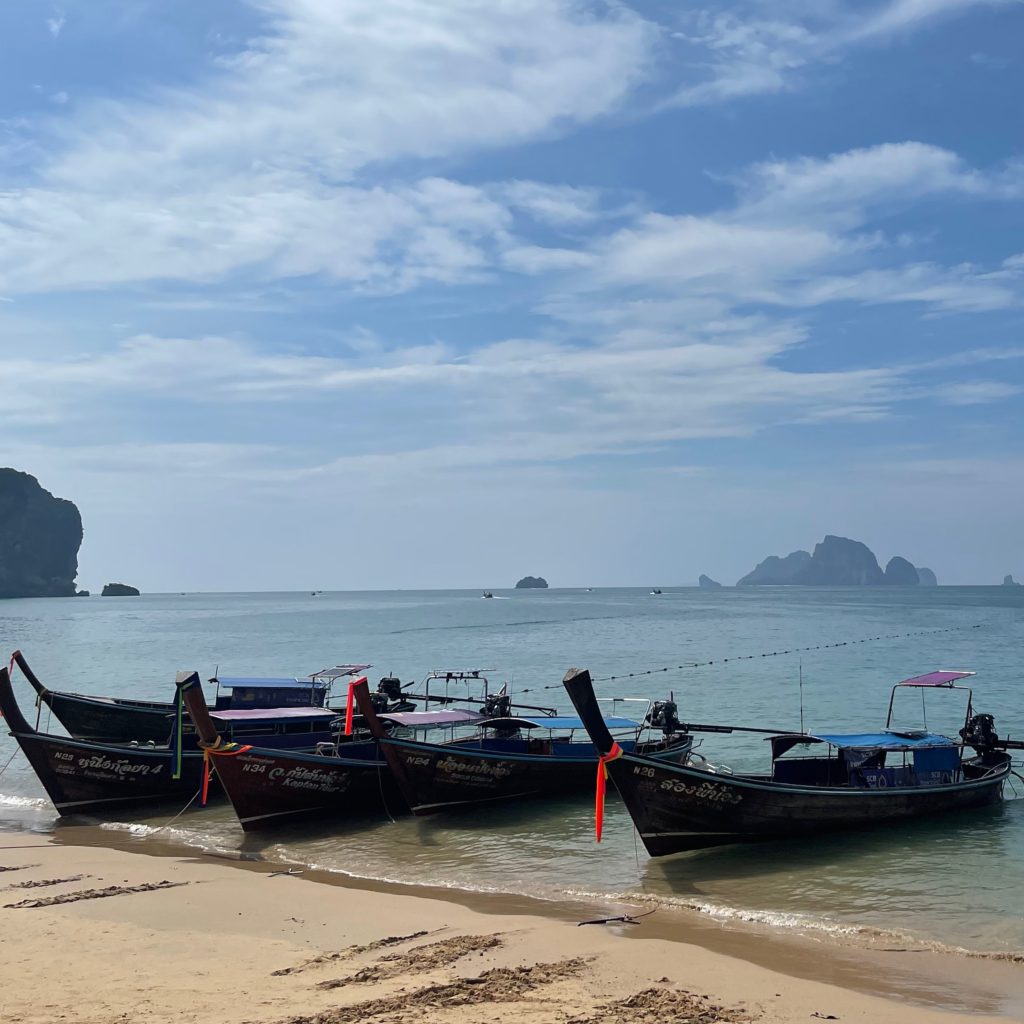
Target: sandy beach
[[97, 935]]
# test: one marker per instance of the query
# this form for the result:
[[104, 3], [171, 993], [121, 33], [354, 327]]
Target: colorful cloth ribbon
[[220, 749], [602, 778], [348, 704]]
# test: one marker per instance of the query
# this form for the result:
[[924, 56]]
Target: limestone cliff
[[39, 539], [901, 573], [775, 571], [708, 583], [532, 583], [118, 590], [836, 562]]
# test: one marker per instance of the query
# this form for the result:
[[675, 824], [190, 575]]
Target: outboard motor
[[497, 705], [380, 702], [980, 733], [391, 687], [664, 715]]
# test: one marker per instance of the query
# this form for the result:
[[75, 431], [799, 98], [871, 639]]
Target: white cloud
[[977, 392], [741, 53], [55, 24], [262, 164]]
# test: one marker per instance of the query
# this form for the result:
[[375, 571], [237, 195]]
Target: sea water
[[958, 880]]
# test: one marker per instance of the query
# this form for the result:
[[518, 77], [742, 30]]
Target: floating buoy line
[[770, 654]]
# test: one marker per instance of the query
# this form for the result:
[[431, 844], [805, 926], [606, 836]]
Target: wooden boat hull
[[82, 777], [679, 808], [269, 788], [436, 777], [109, 719]]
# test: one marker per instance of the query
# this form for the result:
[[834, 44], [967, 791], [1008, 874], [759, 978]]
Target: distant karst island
[[1009, 581], [39, 539], [532, 583], [119, 590], [708, 583], [836, 562]]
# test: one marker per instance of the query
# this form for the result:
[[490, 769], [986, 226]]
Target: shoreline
[[911, 985]]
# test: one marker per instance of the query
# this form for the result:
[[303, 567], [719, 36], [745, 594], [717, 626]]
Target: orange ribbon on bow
[[602, 776]]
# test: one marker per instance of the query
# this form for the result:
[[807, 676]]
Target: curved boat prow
[[9, 706], [17, 658], [580, 687], [361, 694], [191, 690]]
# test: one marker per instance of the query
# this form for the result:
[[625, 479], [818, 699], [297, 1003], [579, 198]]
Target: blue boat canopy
[[259, 683], [888, 740], [554, 722]]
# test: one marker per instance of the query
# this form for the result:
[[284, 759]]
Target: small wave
[[493, 625], [168, 834], [9, 800]]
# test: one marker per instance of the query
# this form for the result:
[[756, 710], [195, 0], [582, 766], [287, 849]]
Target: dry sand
[[92, 935]]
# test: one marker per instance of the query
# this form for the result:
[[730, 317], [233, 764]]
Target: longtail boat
[[275, 712], [81, 776], [838, 781], [509, 757], [118, 720], [270, 787]]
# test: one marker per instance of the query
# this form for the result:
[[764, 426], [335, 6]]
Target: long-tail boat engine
[[980, 733], [497, 705], [664, 715], [389, 697]]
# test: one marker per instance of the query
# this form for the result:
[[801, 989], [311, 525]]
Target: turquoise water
[[956, 881]]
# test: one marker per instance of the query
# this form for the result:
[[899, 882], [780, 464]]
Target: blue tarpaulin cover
[[885, 740]]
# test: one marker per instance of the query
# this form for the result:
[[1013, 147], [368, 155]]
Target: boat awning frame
[[264, 683], [943, 677]]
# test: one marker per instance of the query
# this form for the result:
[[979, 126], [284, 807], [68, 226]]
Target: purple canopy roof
[[271, 714], [941, 678], [420, 719]]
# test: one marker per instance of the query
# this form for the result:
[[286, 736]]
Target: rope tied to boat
[[220, 749], [602, 781]]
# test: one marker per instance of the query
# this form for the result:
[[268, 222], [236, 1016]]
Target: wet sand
[[94, 934]]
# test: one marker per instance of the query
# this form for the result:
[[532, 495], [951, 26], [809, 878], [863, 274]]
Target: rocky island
[[39, 539], [708, 583], [836, 562], [532, 583], [1009, 581], [118, 590]]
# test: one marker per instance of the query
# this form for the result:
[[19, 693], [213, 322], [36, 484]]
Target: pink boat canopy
[[940, 678]]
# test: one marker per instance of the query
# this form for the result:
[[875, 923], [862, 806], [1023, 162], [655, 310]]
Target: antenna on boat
[[801, 669]]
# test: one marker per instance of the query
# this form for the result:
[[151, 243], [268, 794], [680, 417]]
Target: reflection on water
[[955, 880]]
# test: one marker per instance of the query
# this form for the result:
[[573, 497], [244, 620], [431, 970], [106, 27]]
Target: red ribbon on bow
[[348, 704], [602, 776]]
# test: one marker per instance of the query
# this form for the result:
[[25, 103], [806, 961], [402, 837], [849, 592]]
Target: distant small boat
[[487, 593], [655, 591]]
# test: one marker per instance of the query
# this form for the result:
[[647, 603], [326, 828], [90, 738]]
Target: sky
[[350, 294]]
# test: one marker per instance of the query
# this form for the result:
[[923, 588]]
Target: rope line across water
[[769, 654]]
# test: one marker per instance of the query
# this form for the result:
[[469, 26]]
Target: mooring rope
[[767, 654]]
